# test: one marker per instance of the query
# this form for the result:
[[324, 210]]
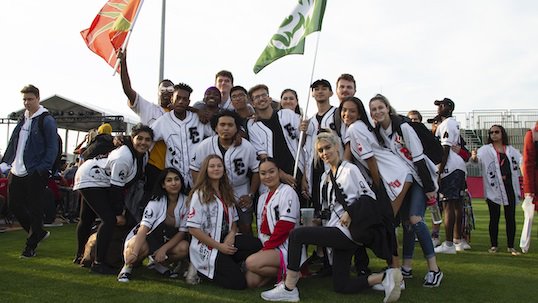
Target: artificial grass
[[471, 276]]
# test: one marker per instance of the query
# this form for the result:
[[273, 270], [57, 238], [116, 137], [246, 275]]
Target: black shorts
[[452, 186], [159, 236]]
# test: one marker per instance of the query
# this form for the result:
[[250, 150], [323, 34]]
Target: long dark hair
[[504, 135], [363, 115], [158, 190], [392, 115]]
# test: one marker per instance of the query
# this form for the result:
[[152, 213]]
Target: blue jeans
[[415, 205]]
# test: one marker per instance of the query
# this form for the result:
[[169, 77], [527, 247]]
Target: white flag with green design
[[305, 19]]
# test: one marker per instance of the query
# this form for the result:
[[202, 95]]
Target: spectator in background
[[289, 100], [31, 152], [415, 116], [102, 143], [530, 164], [500, 169]]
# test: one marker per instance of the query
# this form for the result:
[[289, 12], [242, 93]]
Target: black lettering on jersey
[[291, 131], [445, 135], [277, 213], [239, 167], [194, 135], [332, 126]]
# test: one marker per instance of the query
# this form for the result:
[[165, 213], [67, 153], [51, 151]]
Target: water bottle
[[434, 209]]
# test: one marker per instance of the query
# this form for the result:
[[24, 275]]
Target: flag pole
[[302, 134], [124, 46], [163, 28]]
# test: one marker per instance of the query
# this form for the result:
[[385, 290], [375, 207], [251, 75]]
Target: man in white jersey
[[452, 179], [240, 162], [182, 131], [224, 81], [275, 134]]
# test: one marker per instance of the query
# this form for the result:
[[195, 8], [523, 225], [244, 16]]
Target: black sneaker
[[28, 253], [124, 277], [45, 235], [103, 269], [407, 274], [433, 279]]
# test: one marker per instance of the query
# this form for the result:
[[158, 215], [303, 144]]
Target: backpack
[[58, 162], [430, 144], [464, 153]]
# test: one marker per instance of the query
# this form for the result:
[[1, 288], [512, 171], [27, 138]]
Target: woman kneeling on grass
[[161, 233], [335, 233], [278, 214], [216, 251]]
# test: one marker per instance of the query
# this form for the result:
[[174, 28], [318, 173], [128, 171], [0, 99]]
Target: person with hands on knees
[[278, 214], [161, 233], [216, 250]]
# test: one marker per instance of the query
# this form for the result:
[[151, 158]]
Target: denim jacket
[[40, 151]]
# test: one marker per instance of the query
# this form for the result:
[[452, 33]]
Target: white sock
[[126, 269]]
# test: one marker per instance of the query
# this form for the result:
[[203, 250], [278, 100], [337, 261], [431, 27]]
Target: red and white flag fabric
[[110, 27]]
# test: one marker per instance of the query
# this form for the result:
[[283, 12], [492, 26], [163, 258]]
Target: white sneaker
[[436, 242], [464, 244], [393, 279], [279, 293], [379, 287], [445, 249], [192, 277], [459, 247]]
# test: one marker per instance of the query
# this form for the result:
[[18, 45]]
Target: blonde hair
[[328, 136]]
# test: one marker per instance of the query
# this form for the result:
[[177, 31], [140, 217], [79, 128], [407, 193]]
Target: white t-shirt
[[448, 133], [147, 111]]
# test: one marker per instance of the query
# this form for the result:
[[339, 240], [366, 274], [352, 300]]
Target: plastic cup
[[307, 215]]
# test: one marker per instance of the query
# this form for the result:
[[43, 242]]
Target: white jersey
[[119, 168], [261, 136], [314, 126], [409, 148], [227, 105], [352, 184], [283, 205], [155, 214], [448, 133], [181, 138], [238, 160], [208, 218], [392, 169], [491, 171], [147, 111]]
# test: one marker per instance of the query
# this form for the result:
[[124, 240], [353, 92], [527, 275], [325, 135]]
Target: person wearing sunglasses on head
[[500, 167]]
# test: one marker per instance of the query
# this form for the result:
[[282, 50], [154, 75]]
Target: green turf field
[[471, 276]]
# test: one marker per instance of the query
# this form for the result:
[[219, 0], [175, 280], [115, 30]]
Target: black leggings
[[96, 202], [343, 249], [509, 217], [228, 272]]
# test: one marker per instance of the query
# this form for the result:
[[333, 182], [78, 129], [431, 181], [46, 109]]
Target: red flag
[[109, 28]]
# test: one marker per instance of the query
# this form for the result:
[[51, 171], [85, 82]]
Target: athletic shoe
[[492, 249], [151, 262], [279, 293], [124, 277], [43, 237], [433, 279], [379, 287], [513, 252], [436, 242], [192, 277], [445, 249], [459, 247], [393, 278], [407, 274], [27, 253], [462, 245]]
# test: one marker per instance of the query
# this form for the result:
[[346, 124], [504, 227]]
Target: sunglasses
[[166, 89], [494, 132]]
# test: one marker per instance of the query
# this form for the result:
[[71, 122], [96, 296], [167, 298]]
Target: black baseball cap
[[321, 82], [446, 102]]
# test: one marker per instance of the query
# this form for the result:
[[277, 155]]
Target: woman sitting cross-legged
[[335, 233], [161, 233], [216, 251], [278, 214]]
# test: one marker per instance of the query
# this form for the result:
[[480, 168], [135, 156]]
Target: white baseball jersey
[[237, 160], [181, 138], [147, 111], [353, 185], [494, 188], [392, 168], [208, 218], [227, 105], [448, 133], [283, 205], [409, 148], [155, 214], [261, 136], [119, 168]]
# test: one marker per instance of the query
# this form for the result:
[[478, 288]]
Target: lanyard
[[226, 213], [264, 212], [501, 162]]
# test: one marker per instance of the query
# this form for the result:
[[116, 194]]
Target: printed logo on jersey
[[172, 151], [291, 131], [395, 184], [121, 175], [192, 213], [148, 213], [194, 135], [359, 147], [239, 166], [332, 126], [445, 135]]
